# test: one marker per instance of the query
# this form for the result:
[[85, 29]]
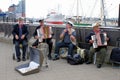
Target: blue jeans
[[17, 48], [59, 45]]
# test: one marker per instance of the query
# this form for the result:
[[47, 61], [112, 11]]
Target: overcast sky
[[89, 8]]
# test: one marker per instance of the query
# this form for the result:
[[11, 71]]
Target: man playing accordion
[[98, 40], [44, 34]]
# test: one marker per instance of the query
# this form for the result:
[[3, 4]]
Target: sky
[[87, 8]]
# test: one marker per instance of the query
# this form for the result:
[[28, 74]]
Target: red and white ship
[[55, 18]]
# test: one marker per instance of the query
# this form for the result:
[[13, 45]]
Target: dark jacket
[[35, 33], [88, 37], [16, 31]]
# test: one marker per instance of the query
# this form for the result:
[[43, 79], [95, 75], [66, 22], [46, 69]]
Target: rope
[[93, 8]]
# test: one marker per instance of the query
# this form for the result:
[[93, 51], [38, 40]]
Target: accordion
[[99, 40], [46, 30], [44, 33]]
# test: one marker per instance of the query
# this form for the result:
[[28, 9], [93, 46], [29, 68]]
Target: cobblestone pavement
[[58, 70]]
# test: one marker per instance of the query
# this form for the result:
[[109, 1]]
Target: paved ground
[[58, 70]]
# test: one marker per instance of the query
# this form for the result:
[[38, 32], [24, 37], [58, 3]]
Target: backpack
[[75, 60], [115, 55]]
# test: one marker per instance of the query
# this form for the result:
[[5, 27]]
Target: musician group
[[97, 38]]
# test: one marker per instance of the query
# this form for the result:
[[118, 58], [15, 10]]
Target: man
[[101, 49], [40, 34], [20, 33], [68, 39]]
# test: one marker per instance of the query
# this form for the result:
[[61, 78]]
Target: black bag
[[75, 60], [115, 55]]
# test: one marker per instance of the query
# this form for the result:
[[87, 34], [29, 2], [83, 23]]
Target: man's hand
[[107, 39], [23, 36], [65, 30], [62, 34], [72, 38], [36, 37], [91, 41], [16, 37]]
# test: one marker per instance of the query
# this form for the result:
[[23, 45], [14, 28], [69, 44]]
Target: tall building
[[20, 9], [16, 11]]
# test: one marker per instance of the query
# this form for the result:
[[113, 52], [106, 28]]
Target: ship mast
[[103, 17], [77, 17]]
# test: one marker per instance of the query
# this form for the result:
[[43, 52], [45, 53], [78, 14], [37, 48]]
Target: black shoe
[[49, 57], [18, 60], [99, 65], [56, 58], [23, 59], [88, 62]]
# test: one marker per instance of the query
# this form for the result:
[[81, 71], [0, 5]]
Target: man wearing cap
[[39, 34], [68, 39], [101, 49], [20, 33]]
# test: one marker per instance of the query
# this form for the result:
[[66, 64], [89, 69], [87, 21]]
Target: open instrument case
[[35, 64]]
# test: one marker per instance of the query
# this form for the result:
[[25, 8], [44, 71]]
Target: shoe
[[88, 62], [99, 65], [18, 60], [56, 58], [69, 56], [23, 59], [49, 57]]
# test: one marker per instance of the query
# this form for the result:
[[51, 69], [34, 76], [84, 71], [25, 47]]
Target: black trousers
[[17, 48]]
